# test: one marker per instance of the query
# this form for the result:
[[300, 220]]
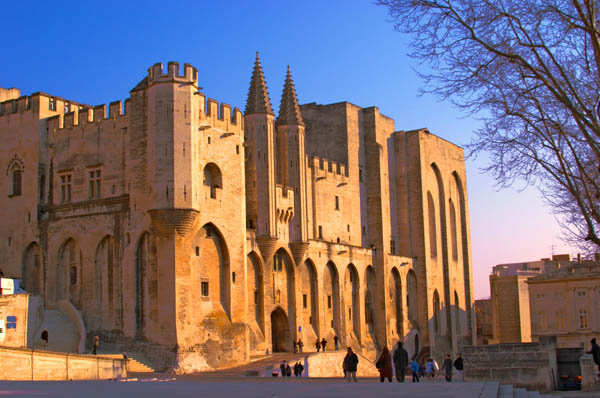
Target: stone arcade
[[203, 236]]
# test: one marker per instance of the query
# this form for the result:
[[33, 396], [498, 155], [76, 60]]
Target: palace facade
[[203, 235]]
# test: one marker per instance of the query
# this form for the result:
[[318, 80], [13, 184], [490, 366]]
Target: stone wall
[[529, 365], [25, 364]]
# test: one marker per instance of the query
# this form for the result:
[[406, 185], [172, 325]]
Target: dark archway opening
[[280, 331]]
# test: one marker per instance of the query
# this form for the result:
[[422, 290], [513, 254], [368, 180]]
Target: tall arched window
[[213, 179], [16, 177]]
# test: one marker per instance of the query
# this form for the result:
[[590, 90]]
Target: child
[[414, 369]]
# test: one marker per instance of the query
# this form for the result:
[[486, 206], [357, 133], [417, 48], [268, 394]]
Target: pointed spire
[[289, 111], [258, 96]]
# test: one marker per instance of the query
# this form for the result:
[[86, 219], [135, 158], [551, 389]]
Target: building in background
[[565, 302]]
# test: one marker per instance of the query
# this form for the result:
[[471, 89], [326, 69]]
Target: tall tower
[[291, 156], [260, 158]]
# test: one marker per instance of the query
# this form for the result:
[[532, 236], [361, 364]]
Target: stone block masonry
[[200, 235]]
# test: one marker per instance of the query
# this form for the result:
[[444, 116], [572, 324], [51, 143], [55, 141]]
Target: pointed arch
[[284, 280], [464, 235], [395, 291], [146, 284], [256, 294], [331, 290], [310, 308], [68, 286], [444, 241], [32, 270], [411, 296], [281, 336], [370, 277], [213, 266], [432, 226], [352, 300], [453, 234], [107, 283]]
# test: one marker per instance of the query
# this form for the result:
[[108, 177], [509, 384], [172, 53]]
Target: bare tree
[[530, 69]]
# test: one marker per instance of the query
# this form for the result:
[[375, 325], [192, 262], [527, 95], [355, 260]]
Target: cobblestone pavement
[[251, 387]]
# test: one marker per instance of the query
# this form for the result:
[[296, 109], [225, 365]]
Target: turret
[[291, 156], [260, 157]]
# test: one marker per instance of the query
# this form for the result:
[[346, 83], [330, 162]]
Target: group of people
[[286, 370], [298, 346], [322, 344], [429, 368], [386, 364]]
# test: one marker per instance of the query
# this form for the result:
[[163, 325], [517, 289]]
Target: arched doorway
[[352, 300], [68, 286], [280, 331], [32, 272]]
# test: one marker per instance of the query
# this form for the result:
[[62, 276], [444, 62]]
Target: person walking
[[300, 345], [384, 365], [595, 351], [282, 368], [400, 362], [447, 368], [351, 365], [96, 344], [414, 370], [429, 370], [459, 366], [295, 347], [300, 368], [336, 342], [318, 345], [323, 344]]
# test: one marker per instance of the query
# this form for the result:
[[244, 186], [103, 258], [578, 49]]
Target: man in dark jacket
[[350, 366], [447, 368], [595, 351], [458, 365], [400, 362]]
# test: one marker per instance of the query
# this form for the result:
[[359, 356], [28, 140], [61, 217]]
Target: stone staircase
[[508, 391], [136, 362]]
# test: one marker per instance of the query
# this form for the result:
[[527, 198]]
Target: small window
[[338, 240], [392, 247], [197, 251], [337, 202], [67, 107], [73, 276], [328, 301], [348, 227], [320, 232], [581, 293], [65, 188], [208, 139], [583, 319], [95, 183], [204, 288], [360, 175], [16, 176], [233, 277], [237, 149], [42, 188], [304, 301], [350, 313], [52, 104], [256, 297]]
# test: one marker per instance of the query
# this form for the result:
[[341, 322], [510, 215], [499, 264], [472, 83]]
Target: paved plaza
[[251, 387]]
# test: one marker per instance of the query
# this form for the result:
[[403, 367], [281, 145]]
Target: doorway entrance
[[280, 331]]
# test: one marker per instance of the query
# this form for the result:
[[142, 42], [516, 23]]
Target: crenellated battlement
[[324, 168], [17, 105], [156, 75], [220, 116], [87, 115]]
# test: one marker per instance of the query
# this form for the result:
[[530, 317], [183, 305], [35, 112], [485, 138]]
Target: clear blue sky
[[95, 52]]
